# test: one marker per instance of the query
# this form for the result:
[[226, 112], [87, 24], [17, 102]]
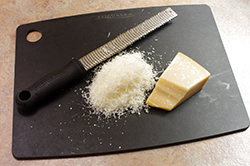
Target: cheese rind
[[181, 80]]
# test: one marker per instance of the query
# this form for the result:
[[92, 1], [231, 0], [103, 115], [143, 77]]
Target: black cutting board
[[63, 127]]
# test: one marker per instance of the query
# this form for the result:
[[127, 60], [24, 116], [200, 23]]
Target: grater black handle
[[28, 99]]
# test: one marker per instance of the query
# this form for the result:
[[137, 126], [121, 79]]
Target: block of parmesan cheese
[[182, 79]]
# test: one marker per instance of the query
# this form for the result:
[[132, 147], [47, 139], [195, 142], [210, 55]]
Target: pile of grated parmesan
[[121, 85]]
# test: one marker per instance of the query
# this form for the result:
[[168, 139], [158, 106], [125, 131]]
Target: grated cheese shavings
[[121, 85]]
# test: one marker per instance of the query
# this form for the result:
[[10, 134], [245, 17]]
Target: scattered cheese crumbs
[[121, 85], [182, 79]]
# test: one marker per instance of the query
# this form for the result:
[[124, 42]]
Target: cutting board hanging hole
[[34, 36]]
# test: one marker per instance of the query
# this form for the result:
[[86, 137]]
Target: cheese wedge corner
[[181, 80]]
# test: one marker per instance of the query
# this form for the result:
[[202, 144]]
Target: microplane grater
[[127, 38], [30, 98]]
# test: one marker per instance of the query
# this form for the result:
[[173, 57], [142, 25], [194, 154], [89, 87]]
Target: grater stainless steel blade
[[28, 99], [127, 38]]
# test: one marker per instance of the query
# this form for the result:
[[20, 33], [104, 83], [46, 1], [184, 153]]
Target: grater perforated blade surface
[[127, 38]]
